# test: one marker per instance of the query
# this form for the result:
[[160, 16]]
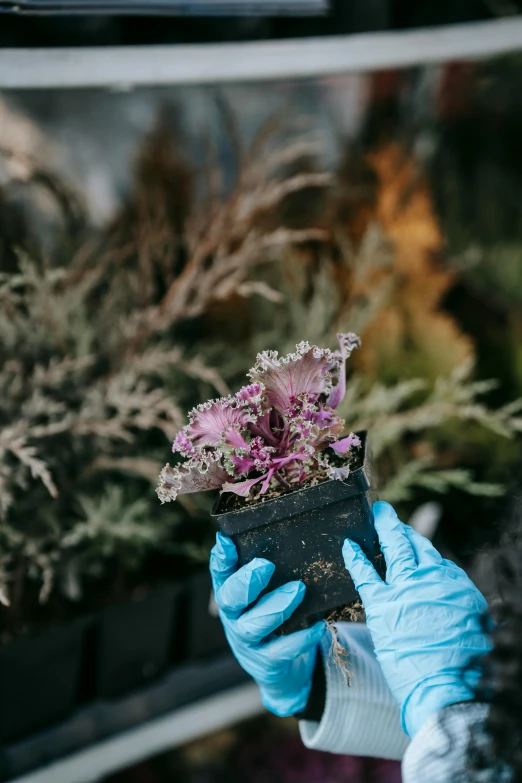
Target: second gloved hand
[[282, 666], [425, 620]]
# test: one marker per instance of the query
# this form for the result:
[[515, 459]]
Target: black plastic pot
[[205, 635], [302, 532], [135, 642], [40, 679]]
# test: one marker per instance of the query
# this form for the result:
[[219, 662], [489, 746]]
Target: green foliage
[[71, 421], [404, 420], [97, 365], [421, 431], [103, 348]]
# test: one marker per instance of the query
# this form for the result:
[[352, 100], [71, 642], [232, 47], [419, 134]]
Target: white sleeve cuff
[[438, 750], [363, 719]]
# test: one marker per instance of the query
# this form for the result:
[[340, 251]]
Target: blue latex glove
[[282, 666], [424, 620]]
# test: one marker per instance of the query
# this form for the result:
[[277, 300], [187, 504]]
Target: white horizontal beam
[[174, 7], [176, 728], [254, 61]]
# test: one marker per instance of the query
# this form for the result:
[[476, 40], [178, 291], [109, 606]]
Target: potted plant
[[292, 488]]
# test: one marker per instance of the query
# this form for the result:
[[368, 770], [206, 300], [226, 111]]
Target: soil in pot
[[136, 641], [40, 679], [302, 532]]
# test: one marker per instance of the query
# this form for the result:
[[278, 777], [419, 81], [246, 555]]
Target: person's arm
[[362, 719], [425, 618], [439, 751]]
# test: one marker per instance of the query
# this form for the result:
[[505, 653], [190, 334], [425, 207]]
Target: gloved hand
[[281, 666], [424, 620]]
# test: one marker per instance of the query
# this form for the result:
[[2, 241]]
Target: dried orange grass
[[413, 323]]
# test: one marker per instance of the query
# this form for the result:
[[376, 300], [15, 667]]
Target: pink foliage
[[276, 429]]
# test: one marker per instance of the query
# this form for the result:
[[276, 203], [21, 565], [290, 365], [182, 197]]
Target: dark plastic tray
[[101, 720], [135, 641], [40, 679], [205, 634]]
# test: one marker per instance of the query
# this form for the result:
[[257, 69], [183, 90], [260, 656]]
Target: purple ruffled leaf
[[348, 342], [277, 464], [242, 464], [304, 374], [280, 461], [183, 444], [241, 488], [251, 396], [344, 445], [339, 473], [209, 423], [278, 426], [268, 427], [190, 477], [316, 428], [268, 479], [235, 439], [333, 471], [261, 453]]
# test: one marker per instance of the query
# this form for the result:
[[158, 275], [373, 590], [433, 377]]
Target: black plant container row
[[105, 656], [123, 648]]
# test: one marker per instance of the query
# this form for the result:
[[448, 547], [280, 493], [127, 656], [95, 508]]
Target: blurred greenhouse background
[[152, 241]]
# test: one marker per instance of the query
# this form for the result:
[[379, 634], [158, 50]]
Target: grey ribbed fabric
[[438, 751], [363, 719]]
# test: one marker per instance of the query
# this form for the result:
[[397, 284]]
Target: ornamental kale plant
[[281, 430]]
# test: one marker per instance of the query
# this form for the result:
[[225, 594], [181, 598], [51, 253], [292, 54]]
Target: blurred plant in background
[[381, 272], [95, 367], [107, 334], [476, 184]]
